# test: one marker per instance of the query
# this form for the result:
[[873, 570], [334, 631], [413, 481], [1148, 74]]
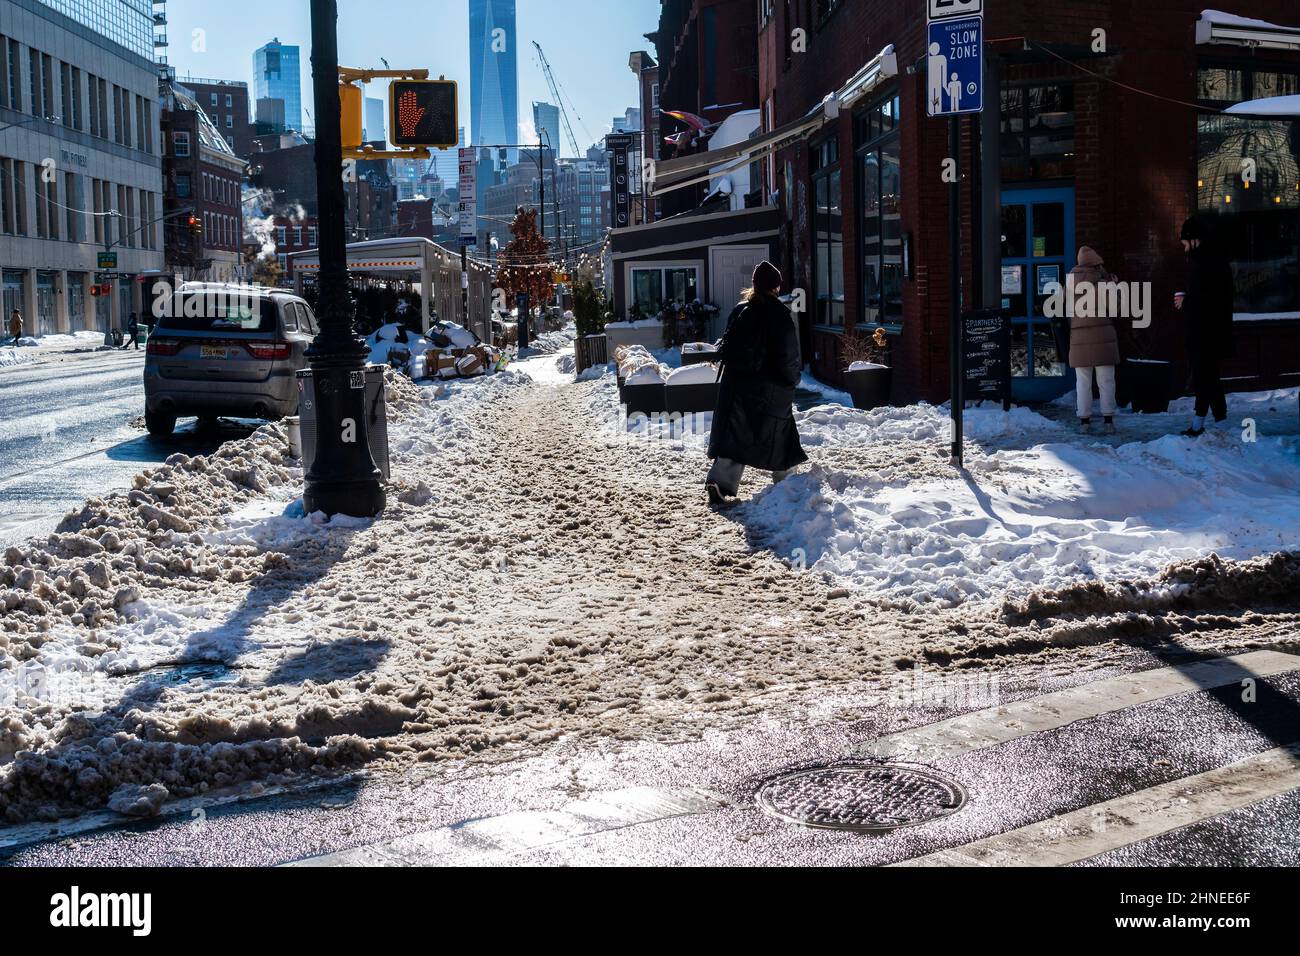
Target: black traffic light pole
[[343, 479]]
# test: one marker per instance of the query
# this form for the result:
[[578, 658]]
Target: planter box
[[869, 386], [647, 399], [691, 399], [1146, 385], [695, 358]]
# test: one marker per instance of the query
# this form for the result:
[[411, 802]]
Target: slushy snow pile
[[1038, 508]]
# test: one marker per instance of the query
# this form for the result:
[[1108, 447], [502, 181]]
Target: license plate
[[212, 351]]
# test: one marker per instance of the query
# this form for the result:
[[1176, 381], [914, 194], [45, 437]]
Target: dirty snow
[[546, 569]]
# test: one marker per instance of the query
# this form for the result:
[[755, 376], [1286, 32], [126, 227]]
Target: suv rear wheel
[[160, 424]]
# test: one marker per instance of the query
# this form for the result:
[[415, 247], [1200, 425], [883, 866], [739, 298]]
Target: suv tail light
[[268, 350], [166, 347]]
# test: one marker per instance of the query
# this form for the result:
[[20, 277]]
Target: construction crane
[[559, 101]]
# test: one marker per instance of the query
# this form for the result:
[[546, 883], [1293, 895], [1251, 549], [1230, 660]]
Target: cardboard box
[[469, 365]]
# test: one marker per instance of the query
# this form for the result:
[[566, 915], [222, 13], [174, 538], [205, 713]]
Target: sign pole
[[954, 293]]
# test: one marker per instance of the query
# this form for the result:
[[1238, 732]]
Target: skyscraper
[[374, 120], [546, 120], [275, 77], [494, 72]]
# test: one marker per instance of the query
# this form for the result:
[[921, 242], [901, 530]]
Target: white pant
[[1105, 385]]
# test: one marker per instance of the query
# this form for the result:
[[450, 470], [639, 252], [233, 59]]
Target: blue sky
[[586, 42]]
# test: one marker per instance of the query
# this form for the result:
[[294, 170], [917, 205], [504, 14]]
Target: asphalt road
[[66, 434], [1161, 759]]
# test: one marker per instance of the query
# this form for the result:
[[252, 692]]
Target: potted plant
[[866, 376]]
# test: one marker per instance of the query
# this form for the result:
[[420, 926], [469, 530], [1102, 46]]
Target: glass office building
[[128, 23], [494, 72], [276, 77]]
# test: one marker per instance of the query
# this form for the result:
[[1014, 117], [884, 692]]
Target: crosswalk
[[1062, 837]]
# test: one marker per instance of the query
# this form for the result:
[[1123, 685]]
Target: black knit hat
[[767, 277], [1193, 228]]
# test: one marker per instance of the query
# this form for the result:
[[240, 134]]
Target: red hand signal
[[409, 113]]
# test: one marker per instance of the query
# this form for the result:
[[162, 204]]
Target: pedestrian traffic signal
[[423, 113]]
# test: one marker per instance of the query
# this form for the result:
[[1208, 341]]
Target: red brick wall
[[1135, 178]]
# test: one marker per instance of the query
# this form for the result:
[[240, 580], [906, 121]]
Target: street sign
[[467, 204], [106, 260], [955, 67], [422, 113], [947, 9]]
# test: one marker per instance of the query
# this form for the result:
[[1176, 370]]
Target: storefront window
[[828, 235], [1256, 217], [1037, 132], [654, 288], [881, 215]]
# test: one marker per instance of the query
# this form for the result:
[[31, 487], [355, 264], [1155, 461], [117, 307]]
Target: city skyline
[[203, 45]]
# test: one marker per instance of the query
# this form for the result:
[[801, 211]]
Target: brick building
[[201, 173], [707, 65], [1111, 146], [226, 103]]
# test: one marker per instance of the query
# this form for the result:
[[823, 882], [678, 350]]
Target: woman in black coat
[[753, 424], [1207, 310]]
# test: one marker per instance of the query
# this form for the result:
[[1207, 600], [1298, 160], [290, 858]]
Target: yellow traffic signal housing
[[422, 113], [350, 113]]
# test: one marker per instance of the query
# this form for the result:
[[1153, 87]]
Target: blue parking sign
[[954, 67]]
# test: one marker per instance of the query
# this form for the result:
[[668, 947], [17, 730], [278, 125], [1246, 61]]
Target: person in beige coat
[[1094, 344]]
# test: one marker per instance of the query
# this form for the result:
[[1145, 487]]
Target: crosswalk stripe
[[996, 725], [513, 833], [1090, 831]]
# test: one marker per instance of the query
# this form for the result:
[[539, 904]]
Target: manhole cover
[[861, 797]]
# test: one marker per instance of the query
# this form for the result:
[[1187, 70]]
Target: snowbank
[[1044, 516]]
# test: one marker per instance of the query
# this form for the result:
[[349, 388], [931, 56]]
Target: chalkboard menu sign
[[986, 356]]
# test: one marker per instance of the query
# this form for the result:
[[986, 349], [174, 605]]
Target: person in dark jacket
[[1207, 313], [132, 330], [753, 423]]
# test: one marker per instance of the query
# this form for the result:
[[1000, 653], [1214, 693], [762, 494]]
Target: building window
[[183, 187], [1037, 132], [181, 144], [297, 236], [880, 214], [230, 101], [311, 236], [281, 236], [654, 287], [1258, 223], [828, 234]]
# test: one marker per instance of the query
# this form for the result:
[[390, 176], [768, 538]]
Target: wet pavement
[[71, 428], [1192, 762]]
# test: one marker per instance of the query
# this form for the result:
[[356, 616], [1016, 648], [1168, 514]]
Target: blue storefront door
[[1037, 250]]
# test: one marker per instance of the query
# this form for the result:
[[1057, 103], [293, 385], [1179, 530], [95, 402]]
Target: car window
[[289, 312], [310, 316], [213, 312]]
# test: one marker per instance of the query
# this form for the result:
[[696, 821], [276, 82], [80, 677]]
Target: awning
[[673, 174], [1215, 26], [1273, 107]]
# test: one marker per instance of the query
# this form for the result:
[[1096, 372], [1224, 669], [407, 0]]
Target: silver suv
[[225, 350]]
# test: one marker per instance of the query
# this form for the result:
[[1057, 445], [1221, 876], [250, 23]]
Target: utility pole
[[343, 479]]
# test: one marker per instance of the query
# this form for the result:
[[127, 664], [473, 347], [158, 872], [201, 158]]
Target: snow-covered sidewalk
[[542, 573], [32, 349]]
